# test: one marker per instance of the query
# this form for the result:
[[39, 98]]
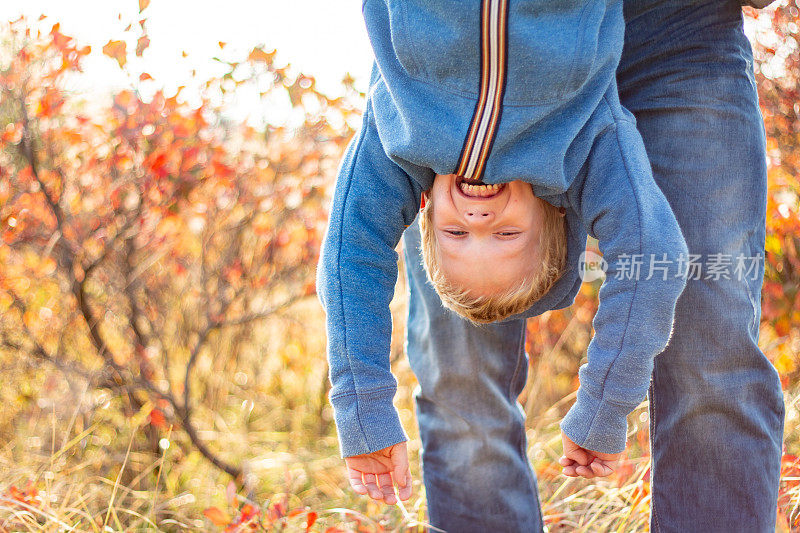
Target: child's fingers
[[579, 455], [569, 471], [356, 481], [372, 486], [601, 468], [405, 489], [387, 489], [568, 466], [584, 471], [399, 474]]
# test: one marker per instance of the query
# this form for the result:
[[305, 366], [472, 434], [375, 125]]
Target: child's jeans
[[716, 406]]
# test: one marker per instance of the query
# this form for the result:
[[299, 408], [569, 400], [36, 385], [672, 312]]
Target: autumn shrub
[[161, 346]]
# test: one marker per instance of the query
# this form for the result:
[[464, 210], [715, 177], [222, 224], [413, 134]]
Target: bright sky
[[324, 38]]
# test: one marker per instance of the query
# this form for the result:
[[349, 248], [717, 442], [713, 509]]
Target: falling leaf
[[142, 44], [116, 50], [260, 56], [143, 5], [144, 76], [222, 44]]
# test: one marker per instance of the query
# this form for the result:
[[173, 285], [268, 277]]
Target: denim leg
[[475, 468], [716, 404]]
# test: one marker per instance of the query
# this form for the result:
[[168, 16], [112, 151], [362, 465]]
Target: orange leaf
[[143, 5], [145, 76], [248, 512], [222, 44], [260, 56], [217, 516], [12, 133], [312, 517], [157, 419], [142, 44], [116, 50]]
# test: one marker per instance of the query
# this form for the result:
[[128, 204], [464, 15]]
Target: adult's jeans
[[716, 406]]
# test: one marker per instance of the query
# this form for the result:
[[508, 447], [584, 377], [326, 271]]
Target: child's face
[[488, 236]]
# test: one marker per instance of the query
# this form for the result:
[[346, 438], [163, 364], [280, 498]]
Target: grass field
[[70, 461]]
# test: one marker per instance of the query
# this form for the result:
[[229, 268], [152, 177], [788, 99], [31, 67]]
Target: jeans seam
[[522, 442], [520, 351], [657, 527]]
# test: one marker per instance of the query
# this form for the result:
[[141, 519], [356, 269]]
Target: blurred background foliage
[[162, 349]]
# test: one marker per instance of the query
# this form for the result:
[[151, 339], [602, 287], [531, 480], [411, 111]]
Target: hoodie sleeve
[[622, 206], [374, 200]]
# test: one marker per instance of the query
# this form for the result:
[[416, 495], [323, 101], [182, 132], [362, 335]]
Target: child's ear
[[562, 211]]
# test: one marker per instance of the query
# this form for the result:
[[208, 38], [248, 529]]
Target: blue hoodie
[[499, 91]]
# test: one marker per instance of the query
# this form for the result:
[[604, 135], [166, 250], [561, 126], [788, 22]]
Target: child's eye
[[508, 233], [455, 233]]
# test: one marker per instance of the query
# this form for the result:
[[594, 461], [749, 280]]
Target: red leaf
[[157, 419], [249, 511], [310, 519]]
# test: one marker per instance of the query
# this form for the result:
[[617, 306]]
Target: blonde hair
[[516, 299]]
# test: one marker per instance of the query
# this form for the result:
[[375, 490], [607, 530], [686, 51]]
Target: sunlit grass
[[77, 465]]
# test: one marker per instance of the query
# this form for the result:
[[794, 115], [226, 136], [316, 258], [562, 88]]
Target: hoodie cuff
[[366, 422], [596, 424]]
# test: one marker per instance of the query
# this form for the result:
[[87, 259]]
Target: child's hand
[[373, 473], [579, 461]]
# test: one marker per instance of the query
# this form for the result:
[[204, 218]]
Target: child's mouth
[[476, 189]]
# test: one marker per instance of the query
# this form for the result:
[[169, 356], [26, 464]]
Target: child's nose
[[479, 215]]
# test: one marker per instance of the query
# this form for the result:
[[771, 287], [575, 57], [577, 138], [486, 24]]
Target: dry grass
[[89, 468]]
